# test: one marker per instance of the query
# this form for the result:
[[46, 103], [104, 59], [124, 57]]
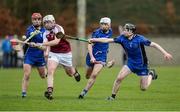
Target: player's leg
[[97, 68], [89, 67], [72, 72], [52, 65], [42, 72], [65, 59], [89, 72], [145, 81], [124, 72], [26, 77]]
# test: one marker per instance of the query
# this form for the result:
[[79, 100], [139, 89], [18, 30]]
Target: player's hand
[[32, 44], [60, 35], [92, 60], [90, 40], [168, 56]]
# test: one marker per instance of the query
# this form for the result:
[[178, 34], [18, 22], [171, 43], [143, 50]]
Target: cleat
[[24, 94], [48, 95], [153, 74], [110, 63], [77, 76], [81, 97], [110, 98]]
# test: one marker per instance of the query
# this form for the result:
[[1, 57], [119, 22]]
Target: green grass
[[163, 94]]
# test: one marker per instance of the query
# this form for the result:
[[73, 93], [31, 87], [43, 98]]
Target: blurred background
[[158, 20]]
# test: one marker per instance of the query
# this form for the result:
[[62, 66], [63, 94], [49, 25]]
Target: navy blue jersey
[[134, 48], [100, 50], [32, 55], [102, 47], [32, 51]]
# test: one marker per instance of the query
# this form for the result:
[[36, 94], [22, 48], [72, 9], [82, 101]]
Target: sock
[[24, 93], [50, 89], [76, 73], [84, 92], [113, 95]]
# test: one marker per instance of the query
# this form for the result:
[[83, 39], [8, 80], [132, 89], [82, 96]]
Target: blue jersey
[[37, 39], [100, 50], [134, 48], [103, 47], [34, 56]]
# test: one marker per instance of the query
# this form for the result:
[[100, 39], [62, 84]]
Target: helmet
[[48, 18], [130, 27], [105, 20], [36, 15]]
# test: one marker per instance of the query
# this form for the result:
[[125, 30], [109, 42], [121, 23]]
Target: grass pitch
[[163, 94]]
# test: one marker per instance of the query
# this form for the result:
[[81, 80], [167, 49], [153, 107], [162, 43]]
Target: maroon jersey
[[63, 46]]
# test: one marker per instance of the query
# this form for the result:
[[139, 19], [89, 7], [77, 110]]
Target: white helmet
[[48, 18], [105, 20]]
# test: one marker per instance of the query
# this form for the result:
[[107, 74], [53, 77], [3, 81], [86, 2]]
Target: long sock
[[50, 89], [76, 73], [24, 93], [113, 95], [84, 92]]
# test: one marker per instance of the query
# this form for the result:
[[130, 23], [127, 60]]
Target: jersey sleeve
[[28, 32], [59, 29], [110, 34], [94, 34], [44, 37], [145, 41], [118, 39]]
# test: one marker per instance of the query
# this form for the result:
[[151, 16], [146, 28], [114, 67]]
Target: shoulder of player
[[110, 30], [29, 28], [42, 29], [59, 27], [97, 30], [140, 38]]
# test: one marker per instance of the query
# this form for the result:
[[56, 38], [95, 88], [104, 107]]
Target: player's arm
[[53, 42], [102, 40], [46, 53], [91, 52], [37, 45], [167, 55]]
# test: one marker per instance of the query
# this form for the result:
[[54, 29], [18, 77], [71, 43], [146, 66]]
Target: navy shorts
[[38, 62], [100, 57], [140, 70]]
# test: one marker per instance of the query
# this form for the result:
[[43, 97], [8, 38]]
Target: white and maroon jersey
[[63, 46]]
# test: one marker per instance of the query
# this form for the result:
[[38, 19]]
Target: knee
[[26, 77]]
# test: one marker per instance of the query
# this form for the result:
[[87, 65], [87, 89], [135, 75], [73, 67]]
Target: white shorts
[[61, 58]]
